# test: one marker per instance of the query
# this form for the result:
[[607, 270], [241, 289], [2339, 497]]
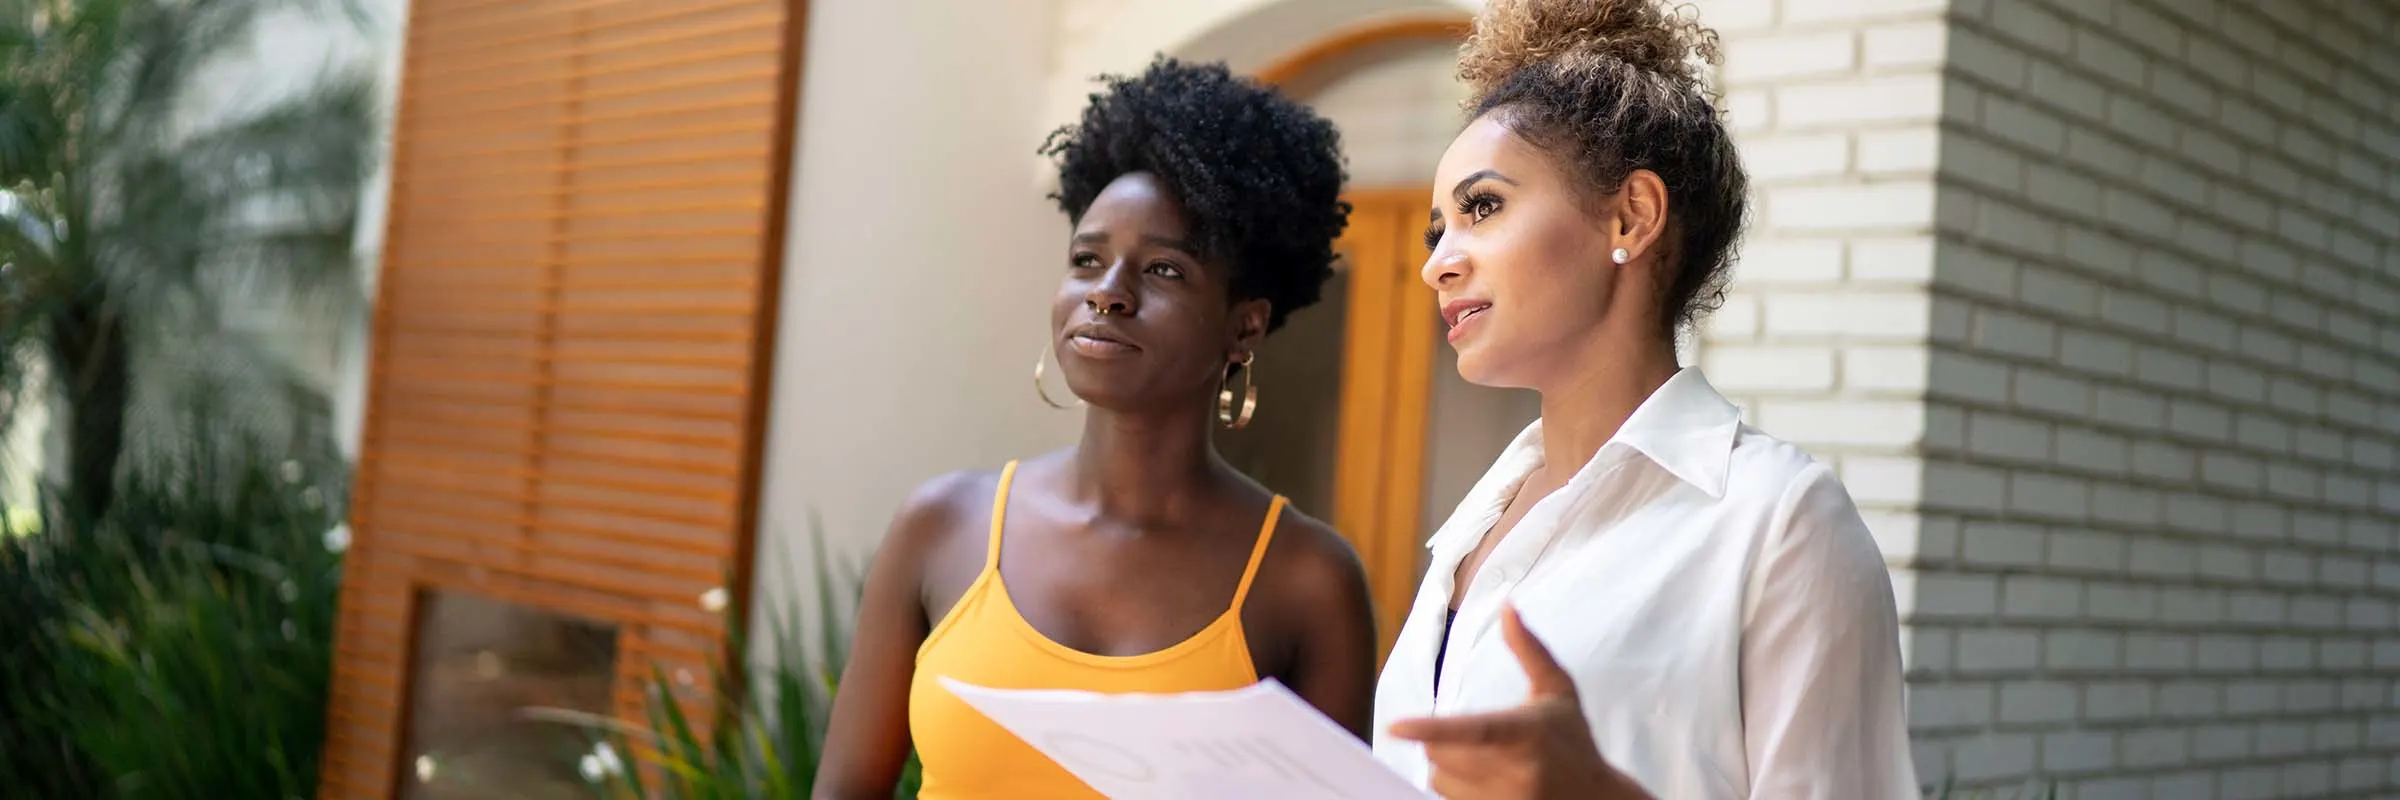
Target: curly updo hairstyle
[[1606, 87], [1259, 176]]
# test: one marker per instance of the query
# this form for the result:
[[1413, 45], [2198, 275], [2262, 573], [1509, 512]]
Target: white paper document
[[1255, 743]]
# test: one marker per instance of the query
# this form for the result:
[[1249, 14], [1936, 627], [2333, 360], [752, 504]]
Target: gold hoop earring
[[1233, 418], [1044, 392]]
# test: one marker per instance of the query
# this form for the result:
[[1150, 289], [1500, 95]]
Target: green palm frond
[[270, 201], [30, 130], [133, 214], [227, 391]]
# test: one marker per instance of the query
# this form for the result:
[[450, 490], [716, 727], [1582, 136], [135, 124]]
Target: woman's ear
[[1249, 326], [1641, 215]]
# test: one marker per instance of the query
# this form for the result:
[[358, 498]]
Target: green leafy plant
[[127, 231], [768, 737], [180, 648], [161, 628]]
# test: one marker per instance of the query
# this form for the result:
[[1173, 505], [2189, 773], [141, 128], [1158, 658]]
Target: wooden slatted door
[[557, 483], [1379, 484]]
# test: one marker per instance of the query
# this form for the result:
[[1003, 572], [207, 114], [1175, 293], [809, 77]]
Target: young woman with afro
[[1204, 209]]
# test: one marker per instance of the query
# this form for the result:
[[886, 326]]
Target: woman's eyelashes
[[1479, 206], [1475, 208], [1087, 262]]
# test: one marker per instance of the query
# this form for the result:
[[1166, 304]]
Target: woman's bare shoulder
[[1310, 568]]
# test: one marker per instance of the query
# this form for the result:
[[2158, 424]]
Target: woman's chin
[[1111, 398], [1476, 366]]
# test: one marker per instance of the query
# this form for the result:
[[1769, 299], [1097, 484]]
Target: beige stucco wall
[[917, 279]]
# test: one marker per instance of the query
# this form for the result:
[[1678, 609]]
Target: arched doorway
[[1358, 379]]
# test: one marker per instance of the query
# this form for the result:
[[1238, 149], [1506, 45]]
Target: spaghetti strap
[[1258, 553], [991, 558]]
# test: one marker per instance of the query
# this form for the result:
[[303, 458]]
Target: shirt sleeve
[[1822, 710]]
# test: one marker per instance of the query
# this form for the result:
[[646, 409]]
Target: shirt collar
[[1684, 426], [1687, 428]]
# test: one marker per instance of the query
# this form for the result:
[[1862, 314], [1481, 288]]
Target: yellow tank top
[[984, 641]]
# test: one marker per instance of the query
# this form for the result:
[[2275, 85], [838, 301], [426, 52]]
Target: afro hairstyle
[[1258, 175]]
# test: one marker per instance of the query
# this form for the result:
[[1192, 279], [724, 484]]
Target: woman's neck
[[1596, 390], [1144, 467]]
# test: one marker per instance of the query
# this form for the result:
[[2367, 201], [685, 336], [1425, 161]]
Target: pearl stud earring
[[1621, 255]]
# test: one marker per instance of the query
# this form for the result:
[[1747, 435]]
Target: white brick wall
[[1822, 339], [1825, 332], [2096, 304], [2163, 400]]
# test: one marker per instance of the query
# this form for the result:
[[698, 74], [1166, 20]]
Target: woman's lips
[[1467, 320], [1092, 344]]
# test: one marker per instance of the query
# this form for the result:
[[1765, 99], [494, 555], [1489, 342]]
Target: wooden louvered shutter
[[569, 349], [1387, 360]]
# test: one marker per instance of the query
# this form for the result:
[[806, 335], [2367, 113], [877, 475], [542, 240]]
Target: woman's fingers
[[1506, 753], [1547, 680], [1549, 685], [1498, 727], [1477, 771]]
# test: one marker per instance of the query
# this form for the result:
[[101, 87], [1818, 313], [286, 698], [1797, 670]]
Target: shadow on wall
[[1275, 30]]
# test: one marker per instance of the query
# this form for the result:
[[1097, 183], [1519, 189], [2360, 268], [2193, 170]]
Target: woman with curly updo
[[1204, 212], [1714, 618]]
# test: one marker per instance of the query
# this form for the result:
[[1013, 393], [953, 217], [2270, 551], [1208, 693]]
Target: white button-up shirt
[[1725, 613]]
